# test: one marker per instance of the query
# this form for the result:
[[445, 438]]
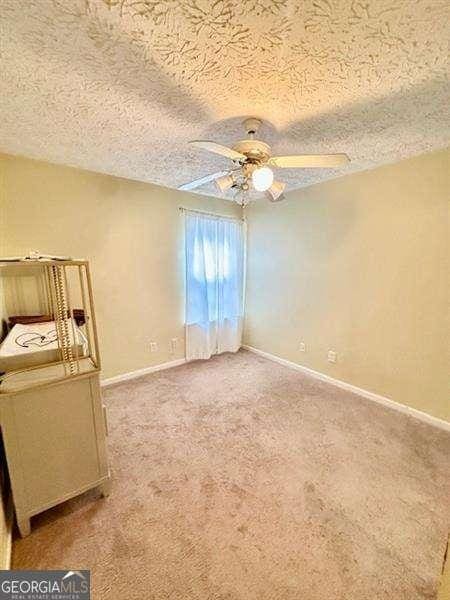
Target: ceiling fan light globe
[[224, 183], [262, 178]]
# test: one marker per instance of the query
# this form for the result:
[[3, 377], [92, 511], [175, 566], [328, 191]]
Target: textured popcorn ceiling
[[120, 86]]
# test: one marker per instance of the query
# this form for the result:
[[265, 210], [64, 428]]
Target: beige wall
[[133, 235], [358, 265]]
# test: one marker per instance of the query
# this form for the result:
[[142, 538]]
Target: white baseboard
[[413, 412], [141, 372]]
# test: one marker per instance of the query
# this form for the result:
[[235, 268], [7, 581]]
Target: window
[[214, 277]]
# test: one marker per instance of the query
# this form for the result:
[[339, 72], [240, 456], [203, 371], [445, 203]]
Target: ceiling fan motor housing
[[257, 152]]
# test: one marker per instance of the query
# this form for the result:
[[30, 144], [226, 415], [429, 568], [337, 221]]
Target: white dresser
[[52, 418]]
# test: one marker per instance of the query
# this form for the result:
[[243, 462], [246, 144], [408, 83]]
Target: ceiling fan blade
[[308, 161], [198, 182], [218, 149]]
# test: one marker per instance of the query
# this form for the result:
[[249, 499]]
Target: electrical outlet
[[153, 346], [302, 347], [173, 344], [331, 356]]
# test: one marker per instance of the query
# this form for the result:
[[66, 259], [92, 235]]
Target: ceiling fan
[[252, 166]]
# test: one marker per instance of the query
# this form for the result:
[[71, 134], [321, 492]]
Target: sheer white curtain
[[214, 284]]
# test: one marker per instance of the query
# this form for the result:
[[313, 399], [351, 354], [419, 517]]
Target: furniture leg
[[24, 527], [105, 488]]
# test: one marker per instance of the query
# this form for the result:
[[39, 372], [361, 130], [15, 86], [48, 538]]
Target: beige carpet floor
[[241, 479]]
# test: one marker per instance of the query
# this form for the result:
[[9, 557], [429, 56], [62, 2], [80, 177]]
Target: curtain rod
[[209, 214]]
